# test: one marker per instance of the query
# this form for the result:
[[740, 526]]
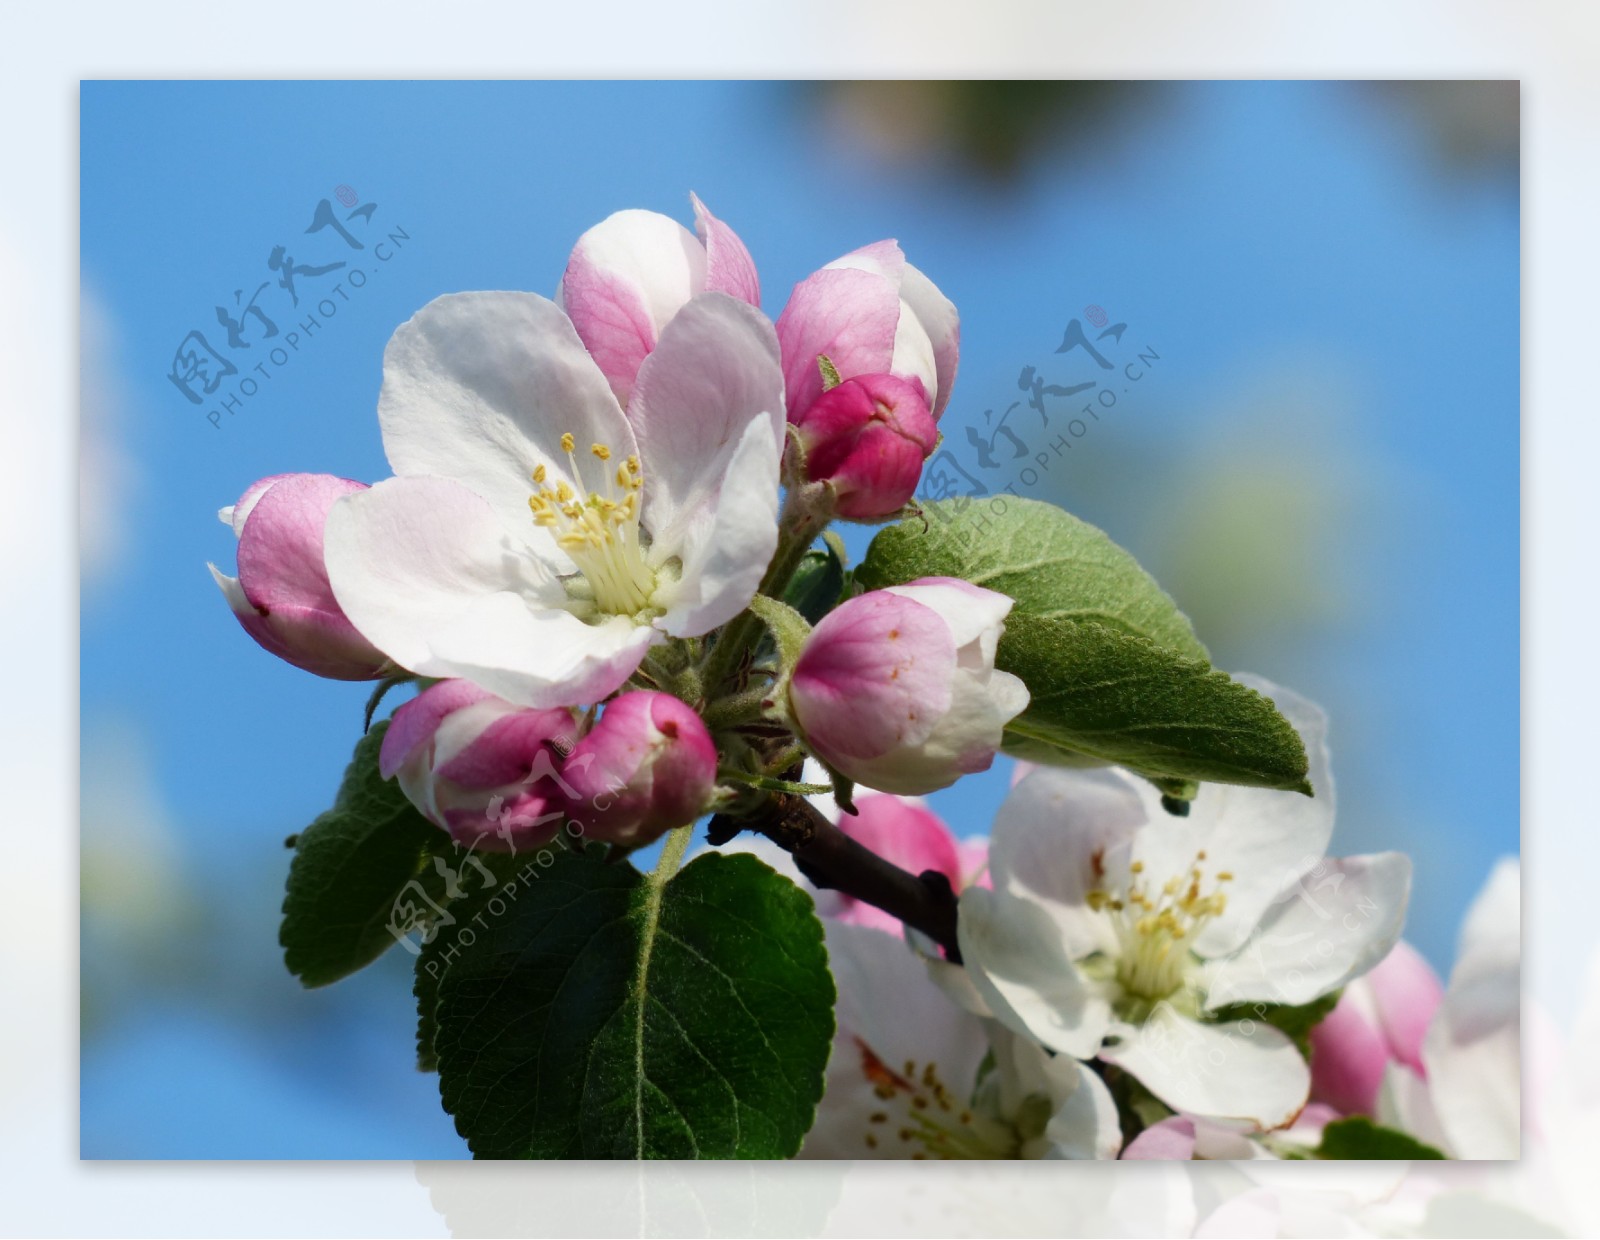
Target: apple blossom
[[868, 437], [907, 1080], [897, 688], [536, 538], [281, 596], [869, 313], [488, 772], [647, 766], [634, 270], [1117, 931], [1379, 1019]]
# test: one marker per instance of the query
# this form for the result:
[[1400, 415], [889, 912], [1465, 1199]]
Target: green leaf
[[347, 900], [816, 585], [602, 1013], [1114, 669], [1295, 1020], [1054, 565], [1121, 698], [1358, 1137], [787, 626], [425, 986]]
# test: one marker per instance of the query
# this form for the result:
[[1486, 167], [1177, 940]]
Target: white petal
[[1473, 1051], [653, 254], [1266, 839], [233, 592], [726, 544], [1083, 1119], [1087, 1125], [1335, 924], [1050, 835], [428, 574], [1240, 1071], [1404, 1102], [537, 656], [913, 354], [938, 317], [971, 612], [889, 1015], [479, 388], [713, 374], [1019, 963]]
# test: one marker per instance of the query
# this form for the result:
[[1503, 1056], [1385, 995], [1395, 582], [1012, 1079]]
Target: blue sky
[[1336, 314]]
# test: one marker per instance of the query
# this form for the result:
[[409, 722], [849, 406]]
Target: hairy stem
[[831, 859]]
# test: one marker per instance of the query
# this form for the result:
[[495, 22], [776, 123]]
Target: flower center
[[1155, 927], [601, 531], [921, 1119]]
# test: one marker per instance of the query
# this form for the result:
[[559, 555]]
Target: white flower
[[1117, 930], [914, 1076], [536, 539]]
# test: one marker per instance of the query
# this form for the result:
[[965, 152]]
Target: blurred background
[[1316, 283]]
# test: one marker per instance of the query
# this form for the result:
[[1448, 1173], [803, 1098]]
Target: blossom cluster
[[584, 483], [598, 502]]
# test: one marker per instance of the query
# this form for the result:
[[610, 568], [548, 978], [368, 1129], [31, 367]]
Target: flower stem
[[770, 784], [671, 854], [831, 859]]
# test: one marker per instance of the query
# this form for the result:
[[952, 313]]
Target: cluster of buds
[[507, 778], [896, 690], [869, 353]]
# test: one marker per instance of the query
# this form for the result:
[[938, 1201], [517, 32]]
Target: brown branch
[[832, 860]]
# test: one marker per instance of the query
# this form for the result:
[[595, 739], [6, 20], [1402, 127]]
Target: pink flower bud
[[869, 437], [281, 595], [488, 772], [646, 767], [897, 689], [634, 270], [1380, 1018], [869, 313]]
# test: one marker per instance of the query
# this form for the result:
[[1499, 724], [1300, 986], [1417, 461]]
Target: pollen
[[598, 527], [919, 1116], [1155, 925]]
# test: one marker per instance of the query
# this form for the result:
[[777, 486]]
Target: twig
[[832, 860]]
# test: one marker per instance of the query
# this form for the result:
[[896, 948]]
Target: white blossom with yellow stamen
[[913, 1076], [537, 538], [1118, 931]]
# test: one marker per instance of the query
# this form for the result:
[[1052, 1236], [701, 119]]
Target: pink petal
[[235, 514], [874, 676], [414, 724], [850, 316], [611, 318], [506, 751], [1171, 1139], [729, 267], [1407, 992], [1348, 1058], [280, 543]]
